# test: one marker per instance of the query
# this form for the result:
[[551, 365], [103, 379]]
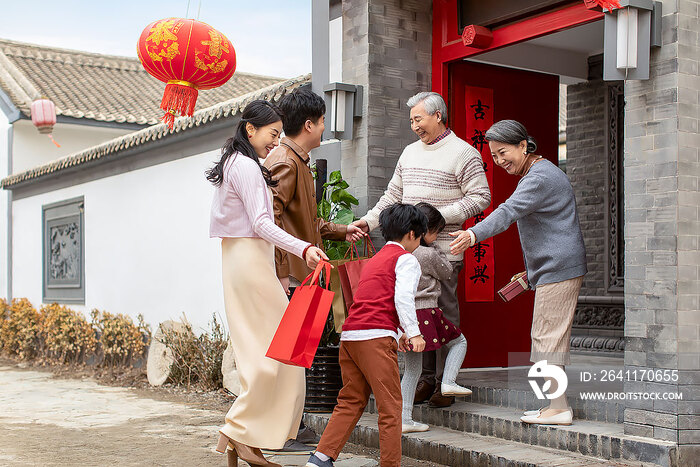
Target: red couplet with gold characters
[[187, 55], [479, 263]]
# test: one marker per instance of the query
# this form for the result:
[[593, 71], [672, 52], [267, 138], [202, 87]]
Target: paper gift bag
[[349, 272], [298, 334], [338, 308]]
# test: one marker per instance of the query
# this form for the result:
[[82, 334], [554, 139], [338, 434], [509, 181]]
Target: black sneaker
[[316, 462], [307, 436], [291, 447]]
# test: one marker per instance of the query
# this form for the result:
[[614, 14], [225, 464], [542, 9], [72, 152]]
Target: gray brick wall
[[587, 168], [662, 232], [354, 161], [387, 49]]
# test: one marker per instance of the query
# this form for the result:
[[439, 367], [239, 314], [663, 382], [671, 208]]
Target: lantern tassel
[[169, 119], [178, 98], [53, 140]]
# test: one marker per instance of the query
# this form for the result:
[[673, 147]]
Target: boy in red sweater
[[385, 300]]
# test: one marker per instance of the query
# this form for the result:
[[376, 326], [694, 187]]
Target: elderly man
[[445, 171]]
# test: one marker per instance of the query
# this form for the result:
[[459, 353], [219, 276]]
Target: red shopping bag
[[298, 334], [349, 272]]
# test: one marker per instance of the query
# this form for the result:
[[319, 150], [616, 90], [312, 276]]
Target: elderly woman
[[544, 208]]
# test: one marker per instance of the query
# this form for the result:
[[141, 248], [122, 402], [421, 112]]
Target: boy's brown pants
[[369, 366]]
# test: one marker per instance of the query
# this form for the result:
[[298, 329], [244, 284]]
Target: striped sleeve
[[474, 186], [247, 181]]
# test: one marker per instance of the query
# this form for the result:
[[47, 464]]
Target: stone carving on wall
[[604, 316], [599, 324], [64, 260], [597, 344], [63, 252]]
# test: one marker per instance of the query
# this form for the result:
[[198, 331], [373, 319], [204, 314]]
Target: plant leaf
[[335, 177], [344, 216]]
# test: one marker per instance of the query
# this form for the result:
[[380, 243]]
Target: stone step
[[525, 399], [459, 449], [510, 387], [604, 411], [598, 439]]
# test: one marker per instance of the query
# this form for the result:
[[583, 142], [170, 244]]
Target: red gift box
[[517, 285]]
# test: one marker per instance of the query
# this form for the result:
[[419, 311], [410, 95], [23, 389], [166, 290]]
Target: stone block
[[634, 429], [689, 436]]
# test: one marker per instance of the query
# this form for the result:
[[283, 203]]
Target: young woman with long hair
[[268, 411]]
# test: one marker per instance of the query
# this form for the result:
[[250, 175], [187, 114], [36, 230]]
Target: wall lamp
[[346, 103], [630, 32]]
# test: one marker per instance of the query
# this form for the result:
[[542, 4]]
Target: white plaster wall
[[147, 245], [4, 156], [32, 149]]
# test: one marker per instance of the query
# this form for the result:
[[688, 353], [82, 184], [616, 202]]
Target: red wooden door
[[492, 327]]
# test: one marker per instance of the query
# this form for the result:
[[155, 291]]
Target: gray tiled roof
[[99, 87], [109, 148]]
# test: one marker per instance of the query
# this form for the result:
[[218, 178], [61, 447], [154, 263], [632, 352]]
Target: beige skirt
[[555, 305], [268, 411]]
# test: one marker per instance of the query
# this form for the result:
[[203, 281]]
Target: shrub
[[197, 360], [3, 312], [20, 330], [66, 333], [121, 340]]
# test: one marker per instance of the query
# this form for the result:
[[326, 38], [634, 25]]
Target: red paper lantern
[[188, 55], [44, 117]]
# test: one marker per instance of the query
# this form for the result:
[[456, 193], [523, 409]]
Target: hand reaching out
[[362, 224], [354, 233], [313, 256], [463, 239]]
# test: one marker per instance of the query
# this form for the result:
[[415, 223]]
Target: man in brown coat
[[295, 204], [294, 195]]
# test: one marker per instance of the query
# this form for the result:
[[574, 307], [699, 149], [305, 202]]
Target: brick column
[[586, 167], [662, 232], [387, 50]]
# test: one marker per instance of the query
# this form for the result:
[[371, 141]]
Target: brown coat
[[295, 206]]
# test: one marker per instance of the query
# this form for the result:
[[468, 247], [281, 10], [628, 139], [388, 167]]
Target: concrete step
[[460, 449], [510, 387], [598, 439], [525, 399]]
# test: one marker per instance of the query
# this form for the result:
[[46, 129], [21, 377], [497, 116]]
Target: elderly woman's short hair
[[432, 101]]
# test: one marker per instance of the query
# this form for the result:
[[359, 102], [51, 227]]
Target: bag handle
[[369, 247], [353, 251], [314, 276]]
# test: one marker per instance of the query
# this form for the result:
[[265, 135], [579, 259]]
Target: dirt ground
[[65, 416]]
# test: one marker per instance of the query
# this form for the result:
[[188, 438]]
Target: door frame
[[447, 41]]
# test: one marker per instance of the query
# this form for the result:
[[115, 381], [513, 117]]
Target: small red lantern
[[44, 117], [188, 55]]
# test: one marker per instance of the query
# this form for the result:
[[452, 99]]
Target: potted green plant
[[323, 379]]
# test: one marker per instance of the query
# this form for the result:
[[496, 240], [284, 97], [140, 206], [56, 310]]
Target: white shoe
[[454, 390], [562, 418], [529, 413], [413, 427]]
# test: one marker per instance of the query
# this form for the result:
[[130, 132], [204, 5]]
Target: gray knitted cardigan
[[544, 207]]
